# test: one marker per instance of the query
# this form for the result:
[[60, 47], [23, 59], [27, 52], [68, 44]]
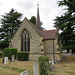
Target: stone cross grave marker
[[5, 60], [13, 57], [24, 73], [35, 69]]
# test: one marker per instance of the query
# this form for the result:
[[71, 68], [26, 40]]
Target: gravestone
[[53, 64], [50, 62], [5, 60], [13, 57], [35, 69], [24, 73]]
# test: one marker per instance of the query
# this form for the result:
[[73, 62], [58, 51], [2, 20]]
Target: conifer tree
[[33, 20], [66, 23], [10, 23]]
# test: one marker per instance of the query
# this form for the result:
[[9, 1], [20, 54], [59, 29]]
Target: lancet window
[[25, 41]]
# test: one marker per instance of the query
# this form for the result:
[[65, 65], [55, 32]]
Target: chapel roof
[[48, 34]]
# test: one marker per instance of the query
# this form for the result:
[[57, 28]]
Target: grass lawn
[[67, 67], [16, 67]]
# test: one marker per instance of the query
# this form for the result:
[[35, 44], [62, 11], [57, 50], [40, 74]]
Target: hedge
[[23, 56], [8, 52], [4, 44]]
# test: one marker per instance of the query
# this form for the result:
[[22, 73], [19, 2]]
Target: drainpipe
[[53, 51]]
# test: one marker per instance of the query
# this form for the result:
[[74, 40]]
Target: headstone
[[50, 62], [53, 64], [5, 60], [24, 73], [13, 58], [35, 69]]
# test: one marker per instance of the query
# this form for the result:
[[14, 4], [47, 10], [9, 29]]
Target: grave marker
[[24, 73], [5, 60], [13, 58], [53, 64], [35, 69]]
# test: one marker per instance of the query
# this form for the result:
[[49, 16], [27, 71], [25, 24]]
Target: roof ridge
[[34, 26], [49, 30]]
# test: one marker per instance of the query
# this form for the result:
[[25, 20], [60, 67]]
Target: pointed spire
[[38, 17]]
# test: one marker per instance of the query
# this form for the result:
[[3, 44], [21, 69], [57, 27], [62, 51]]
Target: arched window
[[25, 41]]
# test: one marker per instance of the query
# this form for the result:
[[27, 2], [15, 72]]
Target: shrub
[[23, 56], [44, 65], [1, 54], [4, 44], [8, 52]]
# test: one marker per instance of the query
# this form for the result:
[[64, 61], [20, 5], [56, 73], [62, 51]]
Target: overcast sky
[[48, 9]]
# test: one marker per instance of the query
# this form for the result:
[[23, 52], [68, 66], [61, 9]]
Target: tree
[[33, 20], [10, 23], [66, 23]]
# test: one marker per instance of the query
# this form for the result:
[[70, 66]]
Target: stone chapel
[[31, 38]]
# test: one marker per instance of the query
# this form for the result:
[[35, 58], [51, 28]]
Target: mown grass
[[66, 67], [14, 68], [72, 67], [70, 73]]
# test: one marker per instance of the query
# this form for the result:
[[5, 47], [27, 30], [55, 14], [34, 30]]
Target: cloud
[[48, 9], [47, 6], [0, 3], [25, 4]]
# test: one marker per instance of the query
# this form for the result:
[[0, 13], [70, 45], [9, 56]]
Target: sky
[[48, 10]]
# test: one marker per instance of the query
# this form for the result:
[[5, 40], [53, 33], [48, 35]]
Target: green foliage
[[10, 23], [1, 54], [33, 20], [4, 44], [8, 52], [44, 65], [70, 4], [23, 56], [66, 23]]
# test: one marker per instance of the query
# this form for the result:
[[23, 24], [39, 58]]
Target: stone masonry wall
[[48, 49], [35, 39]]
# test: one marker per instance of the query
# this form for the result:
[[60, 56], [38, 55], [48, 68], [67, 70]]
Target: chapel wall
[[35, 39], [36, 44], [48, 49]]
